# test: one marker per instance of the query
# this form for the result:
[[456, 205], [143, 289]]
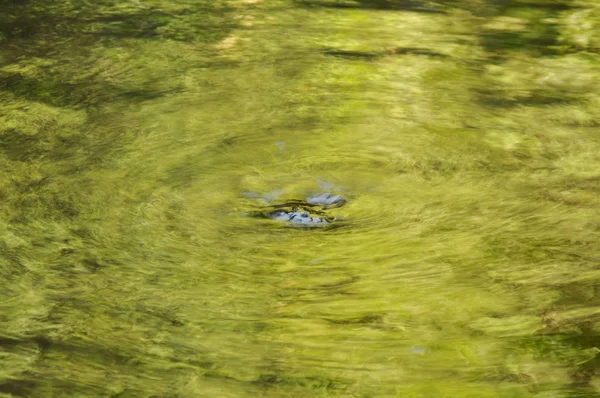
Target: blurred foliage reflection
[[136, 135]]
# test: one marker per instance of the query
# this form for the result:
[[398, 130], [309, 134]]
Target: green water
[[464, 135]]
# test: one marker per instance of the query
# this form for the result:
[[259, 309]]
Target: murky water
[[136, 137]]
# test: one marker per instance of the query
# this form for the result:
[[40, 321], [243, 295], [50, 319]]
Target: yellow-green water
[[463, 134]]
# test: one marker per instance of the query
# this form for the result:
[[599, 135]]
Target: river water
[[463, 135]]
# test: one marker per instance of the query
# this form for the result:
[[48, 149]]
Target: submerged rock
[[309, 212], [326, 200], [297, 217]]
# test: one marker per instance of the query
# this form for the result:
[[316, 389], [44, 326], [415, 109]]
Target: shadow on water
[[371, 56], [535, 32], [554, 345], [385, 5], [539, 35], [76, 95], [492, 98], [206, 22], [80, 27], [75, 28]]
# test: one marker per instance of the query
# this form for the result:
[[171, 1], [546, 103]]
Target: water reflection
[[136, 139]]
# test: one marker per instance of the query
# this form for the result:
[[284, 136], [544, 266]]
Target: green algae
[[463, 135]]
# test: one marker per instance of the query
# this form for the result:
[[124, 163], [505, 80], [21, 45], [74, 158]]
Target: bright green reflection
[[463, 135]]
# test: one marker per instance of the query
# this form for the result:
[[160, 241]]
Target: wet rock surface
[[308, 212]]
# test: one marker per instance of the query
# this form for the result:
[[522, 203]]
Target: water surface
[[463, 135]]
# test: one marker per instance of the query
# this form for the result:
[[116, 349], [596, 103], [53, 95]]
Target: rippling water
[[463, 135]]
